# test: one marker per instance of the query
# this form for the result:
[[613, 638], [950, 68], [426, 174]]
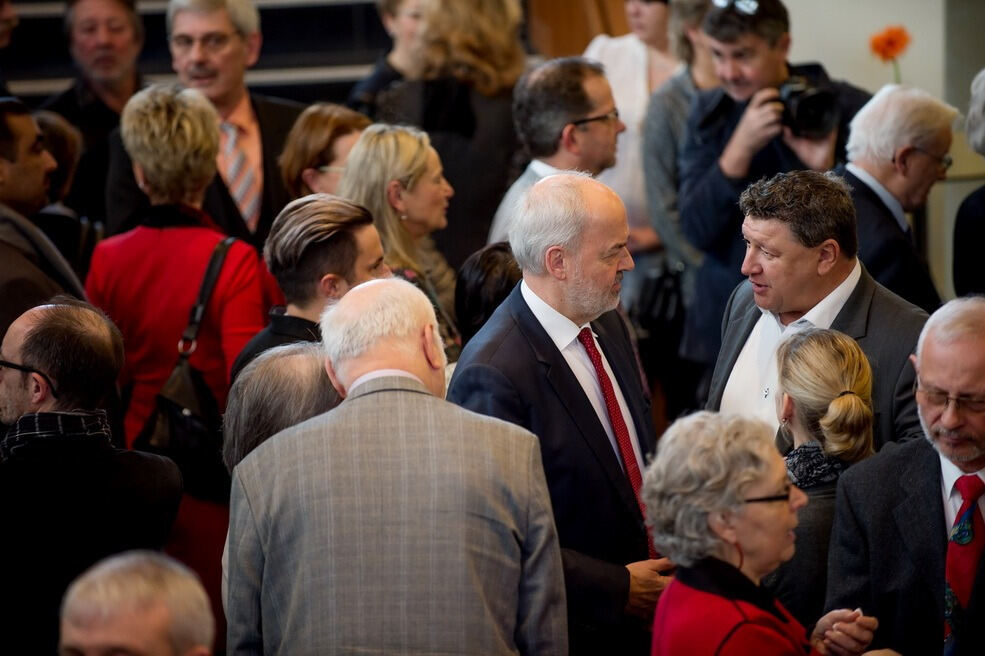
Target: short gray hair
[[958, 318], [551, 213], [704, 463], [975, 121], [397, 311], [141, 580], [897, 116], [280, 388], [243, 14]]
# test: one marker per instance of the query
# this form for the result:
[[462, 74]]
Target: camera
[[809, 111]]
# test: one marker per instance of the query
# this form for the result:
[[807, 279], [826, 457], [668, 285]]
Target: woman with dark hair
[[484, 281]]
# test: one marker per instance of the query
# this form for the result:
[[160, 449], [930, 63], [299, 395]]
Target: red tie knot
[[971, 486]]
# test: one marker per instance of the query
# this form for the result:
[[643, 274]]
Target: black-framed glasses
[[747, 7], [938, 400], [30, 370], [944, 161], [611, 116], [773, 497]]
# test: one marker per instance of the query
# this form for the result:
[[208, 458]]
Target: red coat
[[713, 609], [147, 280]]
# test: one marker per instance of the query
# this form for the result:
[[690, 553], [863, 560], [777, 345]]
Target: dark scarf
[[809, 466], [41, 431]]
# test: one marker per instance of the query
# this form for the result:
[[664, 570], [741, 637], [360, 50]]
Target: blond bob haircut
[[704, 463], [473, 41], [139, 581], [173, 134], [310, 141], [829, 379], [384, 153]]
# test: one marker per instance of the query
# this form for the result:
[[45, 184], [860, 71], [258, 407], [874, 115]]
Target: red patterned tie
[[618, 424], [967, 539]]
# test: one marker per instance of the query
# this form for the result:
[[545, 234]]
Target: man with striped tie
[[909, 530], [213, 43]]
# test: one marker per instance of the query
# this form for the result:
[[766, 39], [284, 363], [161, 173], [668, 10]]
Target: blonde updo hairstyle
[[829, 379], [173, 134], [384, 153]]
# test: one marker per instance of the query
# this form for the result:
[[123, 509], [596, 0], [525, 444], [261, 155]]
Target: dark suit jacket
[[126, 204], [883, 324], [512, 370], [886, 251], [888, 549]]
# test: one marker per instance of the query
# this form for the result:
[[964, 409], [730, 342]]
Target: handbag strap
[[186, 345]]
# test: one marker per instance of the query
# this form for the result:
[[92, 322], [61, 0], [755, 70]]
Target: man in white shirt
[[897, 151], [566, 118], [909, 529], [802, 268]]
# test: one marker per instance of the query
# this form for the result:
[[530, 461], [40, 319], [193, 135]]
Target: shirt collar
[[950, 473], [543, 169], [823, 314], [559, 328], [381, 373], [242, 114], [887, 198]]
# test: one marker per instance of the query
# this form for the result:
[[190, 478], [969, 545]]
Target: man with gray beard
[[909, 531]]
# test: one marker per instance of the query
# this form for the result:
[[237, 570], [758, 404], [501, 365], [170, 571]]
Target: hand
[[643, 239], [844, 632], [645, 585], [818, 154], [759, 123]]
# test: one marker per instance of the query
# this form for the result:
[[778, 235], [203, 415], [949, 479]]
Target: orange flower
[[890, 43]]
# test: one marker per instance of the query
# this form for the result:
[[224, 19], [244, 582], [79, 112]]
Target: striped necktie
[[240, 178]]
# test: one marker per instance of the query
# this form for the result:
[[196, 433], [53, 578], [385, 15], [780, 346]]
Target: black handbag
[[660, 309], [186, 424]]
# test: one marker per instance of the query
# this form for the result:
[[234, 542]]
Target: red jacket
[[713, 609], [147, 280]]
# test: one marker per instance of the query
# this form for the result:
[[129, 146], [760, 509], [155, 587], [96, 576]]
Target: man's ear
[[827, 256], [253, 43], [432, 353], [339, 387], [554, 262], [309, 177], [569, 139], [39, 390], [901, 159], [913, 361], [395, 195], [332, 286]]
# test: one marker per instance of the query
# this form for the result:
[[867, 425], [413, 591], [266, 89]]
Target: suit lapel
[[920, 521], [268, 147], [853, 319], [571, 397]]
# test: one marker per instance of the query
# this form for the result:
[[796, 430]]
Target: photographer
[[767, 117]]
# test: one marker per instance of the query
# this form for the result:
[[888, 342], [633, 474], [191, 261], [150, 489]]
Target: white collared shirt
[[381, 373], [564, 333], [543, 169], [950, 494], [752, 383], [887, 198]]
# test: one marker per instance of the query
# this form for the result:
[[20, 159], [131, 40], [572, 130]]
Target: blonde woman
[[824, 403], [396, 174]]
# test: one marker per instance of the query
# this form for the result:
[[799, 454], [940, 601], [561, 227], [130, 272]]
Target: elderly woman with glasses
[[721, 506]]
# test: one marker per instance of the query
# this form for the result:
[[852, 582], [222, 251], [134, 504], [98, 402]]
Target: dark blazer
[[512, 370], [888, 549], [886, 251], [883, 324], [969, 234], [126, 204]]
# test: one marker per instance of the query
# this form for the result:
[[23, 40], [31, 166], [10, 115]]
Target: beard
[[976, 447], [587, 300]]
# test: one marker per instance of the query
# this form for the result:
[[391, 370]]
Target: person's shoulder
[[272, 108], [64, 103], [887, 465], [157, 472], [603, 47], [893, 309]]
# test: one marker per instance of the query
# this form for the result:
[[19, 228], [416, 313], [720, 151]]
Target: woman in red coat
[[722, 508], [147, 280]]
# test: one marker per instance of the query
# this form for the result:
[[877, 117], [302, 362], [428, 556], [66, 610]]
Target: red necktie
[[967, 540], [618, 424]]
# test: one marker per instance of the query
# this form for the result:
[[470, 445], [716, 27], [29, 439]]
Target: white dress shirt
[[950, 494], [752, 383], [564, 333]]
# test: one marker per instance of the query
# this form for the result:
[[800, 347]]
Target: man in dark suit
[[70, 492], [803, 270], [908, 534], [210, 51], [556, 359], [897, 150]]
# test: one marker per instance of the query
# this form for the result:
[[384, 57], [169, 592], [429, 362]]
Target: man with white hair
[[897, 150], [137, 602], [909, 530], [397, 522], [556, 359]]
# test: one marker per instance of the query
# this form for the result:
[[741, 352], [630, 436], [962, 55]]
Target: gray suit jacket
[[500, 228], [395, 523], [883, 324]]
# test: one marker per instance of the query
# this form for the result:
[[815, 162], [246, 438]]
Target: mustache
[[199, 69]]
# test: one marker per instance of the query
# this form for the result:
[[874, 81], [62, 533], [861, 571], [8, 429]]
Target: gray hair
[[396, 311], [551, 213], [141, 580], [243, 14], [956, 319], [975, 122], [897, 116], [280, 388], [704, 463]]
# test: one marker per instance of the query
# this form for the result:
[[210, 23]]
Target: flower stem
[[896, 76]]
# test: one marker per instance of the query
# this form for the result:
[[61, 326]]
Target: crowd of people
[[446, 327]]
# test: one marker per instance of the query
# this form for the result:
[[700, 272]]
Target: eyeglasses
[[944, 161], [211, 42], [747, 7], [611, 116], [774, 497], [30, 370], [326, 168], [939, 400]]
